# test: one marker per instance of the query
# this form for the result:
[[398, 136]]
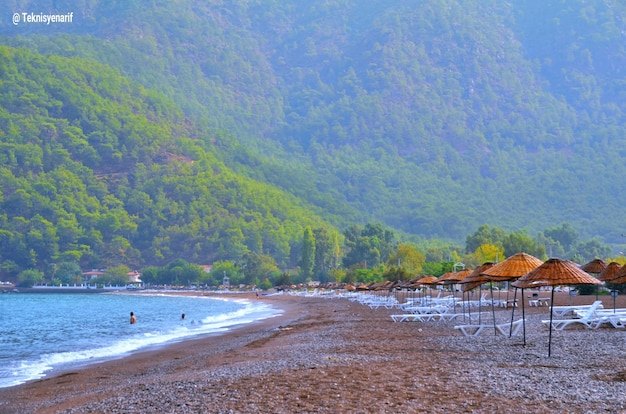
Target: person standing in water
[[133, 319]]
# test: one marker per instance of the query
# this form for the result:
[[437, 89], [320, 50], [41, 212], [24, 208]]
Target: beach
[[339, 356]]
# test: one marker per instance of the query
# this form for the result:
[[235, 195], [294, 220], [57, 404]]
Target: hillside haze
[[433, 117]]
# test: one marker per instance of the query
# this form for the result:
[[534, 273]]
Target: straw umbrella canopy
[[452, 278], [474, 280], [594, 267], [476, 277], [555, 272], [448, 278], [426, 281], [617, 279], [610, 272], [513, 268]]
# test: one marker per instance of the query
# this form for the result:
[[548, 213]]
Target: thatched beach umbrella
[[513, 267], [412, 285], [476, 279], [610, 272], [453, 278], [555, 272], [617, 278], [620, 276], [594, 267], [428, 281], [510, 269]]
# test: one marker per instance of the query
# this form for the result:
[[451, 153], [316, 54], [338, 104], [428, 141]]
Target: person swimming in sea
[[133, 319]]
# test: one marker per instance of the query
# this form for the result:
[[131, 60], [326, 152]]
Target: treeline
[[369, 253]]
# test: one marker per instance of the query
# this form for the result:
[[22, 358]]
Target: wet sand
[[339, 356]]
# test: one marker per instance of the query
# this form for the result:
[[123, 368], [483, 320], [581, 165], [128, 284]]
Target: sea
[[41, 333]]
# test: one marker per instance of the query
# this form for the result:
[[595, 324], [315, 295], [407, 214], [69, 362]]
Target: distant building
[[92, 274], [134, 276]]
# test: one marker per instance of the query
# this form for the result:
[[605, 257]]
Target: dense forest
[[146, 131], [101, 171]]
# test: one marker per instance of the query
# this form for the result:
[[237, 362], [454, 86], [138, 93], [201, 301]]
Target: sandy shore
[[339, 356]]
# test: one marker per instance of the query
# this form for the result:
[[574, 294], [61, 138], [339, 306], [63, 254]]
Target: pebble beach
[[336, 355]]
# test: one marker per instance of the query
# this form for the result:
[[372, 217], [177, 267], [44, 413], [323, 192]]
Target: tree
[[326, 252], [489, 253], [181, 272], [258, 267], [29, 278], [117, 275], [68, 272], [396, 273], [408, 258], [368, 245], [591, 249], [553, 248], [564, 234], [307, 261], [151, 275], [385, 239], [226, 268], [484, 235], [516, 242], [283, 280]]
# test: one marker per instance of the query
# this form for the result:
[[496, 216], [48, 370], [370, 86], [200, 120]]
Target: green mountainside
[[98, 170], [432, 117]]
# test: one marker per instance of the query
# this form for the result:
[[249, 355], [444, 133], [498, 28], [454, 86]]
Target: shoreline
[[58, 366], [335, 355], [45, 391]]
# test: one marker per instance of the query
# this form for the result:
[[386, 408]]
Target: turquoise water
[[41, 332]]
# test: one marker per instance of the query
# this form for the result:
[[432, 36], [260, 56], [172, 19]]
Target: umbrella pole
[[493, 311], [480, 303], [550, 336], [614, 294], [523, 317], [513, 312], [463, 303]]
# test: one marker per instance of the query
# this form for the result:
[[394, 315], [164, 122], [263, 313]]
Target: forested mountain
[[100, 171], [431, 116]]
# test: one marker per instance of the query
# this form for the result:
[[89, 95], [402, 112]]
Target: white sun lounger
[[560, 311], [616, 317], [429, 317], [618, 321], [503, 328], [587, 318]]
